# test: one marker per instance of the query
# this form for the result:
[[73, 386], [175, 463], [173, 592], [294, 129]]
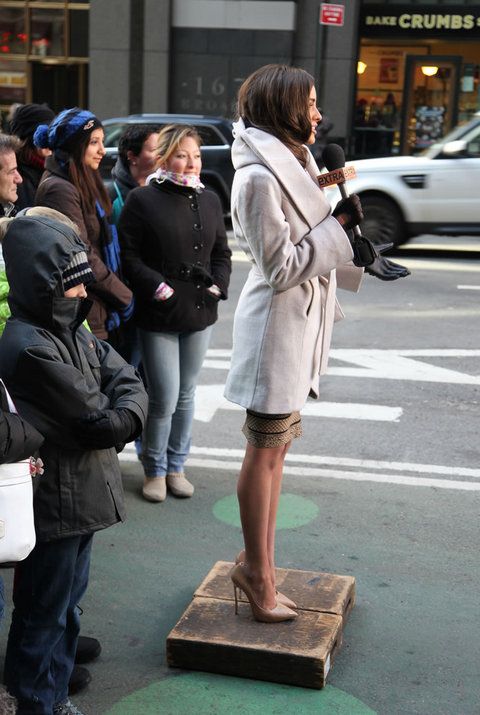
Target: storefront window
[[13, 37], [13, 86], [47, 33], [78, 21], [419, 75], [379, 104]]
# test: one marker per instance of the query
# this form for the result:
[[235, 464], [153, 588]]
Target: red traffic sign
[[331, 14]]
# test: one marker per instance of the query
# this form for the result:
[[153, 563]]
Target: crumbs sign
[[420, 21]]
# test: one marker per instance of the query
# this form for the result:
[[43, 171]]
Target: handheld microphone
[[377, 265], [333, 157]]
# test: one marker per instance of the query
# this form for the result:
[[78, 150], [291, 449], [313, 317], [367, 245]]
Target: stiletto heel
[[265, 615], [236, 599], [281, 598]]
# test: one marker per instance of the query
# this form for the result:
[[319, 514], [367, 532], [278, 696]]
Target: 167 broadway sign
[[420, 21]]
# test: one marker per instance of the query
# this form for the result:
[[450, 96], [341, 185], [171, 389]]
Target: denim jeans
[[172, 362], [45, 623]]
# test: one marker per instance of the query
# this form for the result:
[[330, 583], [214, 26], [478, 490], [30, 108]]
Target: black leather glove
[[386, 270], [107, 428], [349, 212], [364, 253]]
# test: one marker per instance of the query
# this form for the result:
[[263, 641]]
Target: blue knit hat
[[66, 130]]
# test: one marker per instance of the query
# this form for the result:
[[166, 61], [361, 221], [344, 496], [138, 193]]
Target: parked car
[[216, 133], [434, 192]]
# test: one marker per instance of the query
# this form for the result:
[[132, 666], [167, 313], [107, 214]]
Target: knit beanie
[[78, 271], [66, 130], [27, 117]]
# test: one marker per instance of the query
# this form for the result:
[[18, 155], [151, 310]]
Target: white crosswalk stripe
[[344, 468]]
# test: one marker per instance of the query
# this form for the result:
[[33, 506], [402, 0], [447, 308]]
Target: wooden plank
[[210, 637], [311, 590]]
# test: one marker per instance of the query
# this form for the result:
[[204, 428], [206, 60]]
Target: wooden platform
[[311, 590], [210, 637]]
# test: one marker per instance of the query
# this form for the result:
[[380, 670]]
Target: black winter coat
[[173, 234], [57, 373], [31, 176]]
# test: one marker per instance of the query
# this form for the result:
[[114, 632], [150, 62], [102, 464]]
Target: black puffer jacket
[[172, 233], [57, 372]]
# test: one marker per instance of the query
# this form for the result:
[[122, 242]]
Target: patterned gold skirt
[[271, 430]]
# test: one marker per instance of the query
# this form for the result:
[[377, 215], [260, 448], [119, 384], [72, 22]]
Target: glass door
[[431, 100]]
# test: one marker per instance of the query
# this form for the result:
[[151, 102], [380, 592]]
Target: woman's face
[[95, 150], [186, 159], [314, 114], [146, 161]]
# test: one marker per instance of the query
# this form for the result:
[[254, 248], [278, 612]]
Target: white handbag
[[17, 528]]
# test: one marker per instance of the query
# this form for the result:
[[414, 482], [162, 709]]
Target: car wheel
[[383, 222]]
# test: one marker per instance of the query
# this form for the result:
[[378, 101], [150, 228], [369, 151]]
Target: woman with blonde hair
[[177, 261]]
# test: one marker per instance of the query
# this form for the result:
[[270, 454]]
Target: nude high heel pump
[[265, 615], [281, 598]]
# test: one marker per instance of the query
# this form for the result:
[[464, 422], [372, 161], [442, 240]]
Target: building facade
[[392, 77]]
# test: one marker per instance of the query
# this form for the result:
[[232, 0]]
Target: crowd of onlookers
[[104, 294]]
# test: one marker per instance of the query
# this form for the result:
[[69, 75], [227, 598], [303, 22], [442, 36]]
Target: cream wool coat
[[286, 311]]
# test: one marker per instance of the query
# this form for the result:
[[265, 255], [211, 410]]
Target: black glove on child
[[348, 212], [107, 428]]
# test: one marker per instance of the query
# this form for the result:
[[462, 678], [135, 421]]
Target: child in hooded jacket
[[87, 402]]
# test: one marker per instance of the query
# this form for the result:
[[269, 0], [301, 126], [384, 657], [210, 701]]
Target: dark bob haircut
[[274, 98]]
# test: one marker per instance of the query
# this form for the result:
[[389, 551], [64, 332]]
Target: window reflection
[[13, 37], [48, 33], [13, 86]]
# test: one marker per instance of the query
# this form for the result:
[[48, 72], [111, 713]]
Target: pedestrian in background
[[178, 263], [72, 185], [137, 159], [31, 159], [87, 402], [10, 178], [285, 313], [18, 442]]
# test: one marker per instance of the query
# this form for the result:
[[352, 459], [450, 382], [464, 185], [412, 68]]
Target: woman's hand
[[348, 212], [163, 292]]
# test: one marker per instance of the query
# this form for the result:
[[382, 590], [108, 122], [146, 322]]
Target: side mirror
[[455, 148]]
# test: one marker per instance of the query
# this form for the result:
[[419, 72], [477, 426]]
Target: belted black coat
[[170, 233]]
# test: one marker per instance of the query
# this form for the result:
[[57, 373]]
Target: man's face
[[9, 177]]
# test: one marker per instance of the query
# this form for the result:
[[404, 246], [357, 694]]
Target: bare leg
[[258, 494], [272, 517]]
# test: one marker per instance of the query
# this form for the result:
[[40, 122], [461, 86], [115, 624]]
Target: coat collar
[[300, 184]]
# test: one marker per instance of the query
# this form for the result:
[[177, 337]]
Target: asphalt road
[[384, 485]]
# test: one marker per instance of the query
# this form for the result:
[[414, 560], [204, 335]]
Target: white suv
[[436, 192]]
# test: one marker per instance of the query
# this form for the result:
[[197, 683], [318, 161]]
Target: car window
[[459, 132], [113, 132], [210, 136], [473, 142]]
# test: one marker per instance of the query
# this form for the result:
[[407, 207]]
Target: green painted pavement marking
[[293, 511], [199, 693]]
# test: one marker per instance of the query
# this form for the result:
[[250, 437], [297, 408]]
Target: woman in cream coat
[[299, 252]]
